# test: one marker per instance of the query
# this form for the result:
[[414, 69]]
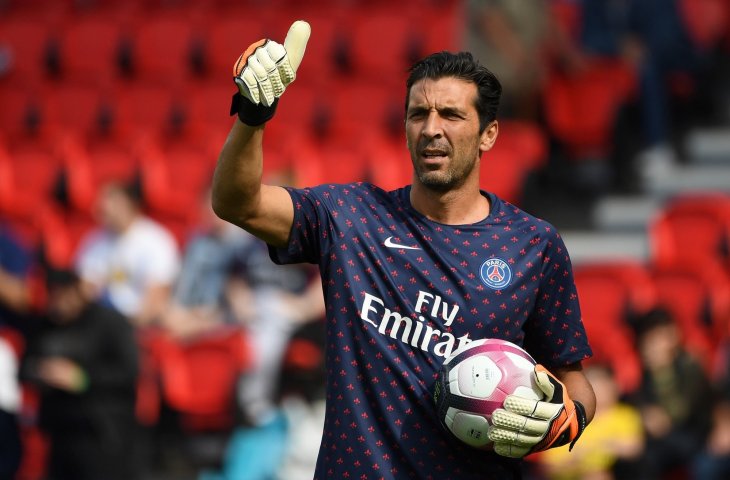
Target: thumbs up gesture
[[264, 70]]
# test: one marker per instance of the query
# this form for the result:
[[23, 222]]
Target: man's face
[[442, 131]]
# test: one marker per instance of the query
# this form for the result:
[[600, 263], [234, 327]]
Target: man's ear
[[489, 136]]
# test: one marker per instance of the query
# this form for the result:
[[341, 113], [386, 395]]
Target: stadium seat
[[581, 107], [30, 174], [22, 112], [145, 108], [693, 229], [706, 21], [27, 41], [362, 106], [174, 178], [387, 161], [226, 37], [520, 149], [90, 49], [199, 376], [443, 27], [699, 300], [384, 30], [611, 294], [207, 107], [90, 166], [77, 109], [162, 49]]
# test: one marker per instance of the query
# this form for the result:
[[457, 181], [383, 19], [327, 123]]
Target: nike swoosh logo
[[391, 244]]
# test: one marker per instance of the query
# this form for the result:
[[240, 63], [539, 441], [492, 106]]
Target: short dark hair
[[460, 65]]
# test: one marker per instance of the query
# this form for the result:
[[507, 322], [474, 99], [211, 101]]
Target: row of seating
[[688, 274], [178, 43]]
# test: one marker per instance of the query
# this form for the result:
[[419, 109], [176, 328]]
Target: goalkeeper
[[411, 274]]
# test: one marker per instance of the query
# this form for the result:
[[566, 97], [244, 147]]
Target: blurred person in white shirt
[[131, 261]]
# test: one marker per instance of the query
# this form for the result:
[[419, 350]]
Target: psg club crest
[[495, 273]]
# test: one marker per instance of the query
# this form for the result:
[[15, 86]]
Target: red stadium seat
[[693, 229], [21, 113], [610, 294], [384, 30], [226, 37], [31, 175], [361, 105], [90, 166], [199, 376], [387, 161], [175, 177], [520, 149], [581, 107], [699, 300], [146, 108], [707, 21], [27, 40], [90, 49], [162, 49], [74, 108]]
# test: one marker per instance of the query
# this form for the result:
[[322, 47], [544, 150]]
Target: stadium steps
[[621, 222]]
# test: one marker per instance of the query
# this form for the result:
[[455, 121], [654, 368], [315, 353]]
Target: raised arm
[[262, 73]]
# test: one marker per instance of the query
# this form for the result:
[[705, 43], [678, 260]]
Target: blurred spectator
[[130, 262], [199, 298], [509, 38], [14, 304], [674, 398], [272, 302], [713, 463], [15, 263], [615, 437], [662, 48], [83, 360]]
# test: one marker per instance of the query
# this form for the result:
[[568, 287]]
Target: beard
[[457, 171]]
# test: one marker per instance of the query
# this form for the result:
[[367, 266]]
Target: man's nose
[[432, 128]]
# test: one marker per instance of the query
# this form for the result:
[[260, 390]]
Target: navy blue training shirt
[[402, 292]]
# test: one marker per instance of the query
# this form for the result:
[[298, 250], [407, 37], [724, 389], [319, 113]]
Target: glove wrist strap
[[580, 415], [250, 113]]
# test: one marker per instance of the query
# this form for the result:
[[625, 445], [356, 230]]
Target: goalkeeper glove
[[263, 72], [526, 426]]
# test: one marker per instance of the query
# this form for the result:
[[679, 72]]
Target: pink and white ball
[[475, 380]]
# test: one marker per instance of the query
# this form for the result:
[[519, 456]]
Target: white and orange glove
[[263, 72], [527, 426]]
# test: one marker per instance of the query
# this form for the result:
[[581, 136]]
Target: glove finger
[[296, 42], [509, 450], [266, 90], [519, 423], [283, 62], [501, 435], [543, 381], [532, 408], [248, 86], [272, 72]]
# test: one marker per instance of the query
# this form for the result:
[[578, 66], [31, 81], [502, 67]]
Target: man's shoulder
[[340, 194], [512, 214]]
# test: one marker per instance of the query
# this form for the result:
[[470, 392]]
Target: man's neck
[[462, 206]]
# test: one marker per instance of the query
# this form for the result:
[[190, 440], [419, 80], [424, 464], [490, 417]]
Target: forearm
[[579, 388], [237, 177]]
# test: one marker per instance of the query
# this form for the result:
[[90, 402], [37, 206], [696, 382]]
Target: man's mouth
[[434, 155]]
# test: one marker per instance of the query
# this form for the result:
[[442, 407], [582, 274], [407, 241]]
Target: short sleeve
[[311, 233], [555, 334]]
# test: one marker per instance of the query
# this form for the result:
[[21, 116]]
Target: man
[[132, 261], [83, 360], [408, 276]]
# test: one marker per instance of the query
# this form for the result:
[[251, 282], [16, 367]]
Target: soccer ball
[[475, 380]]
